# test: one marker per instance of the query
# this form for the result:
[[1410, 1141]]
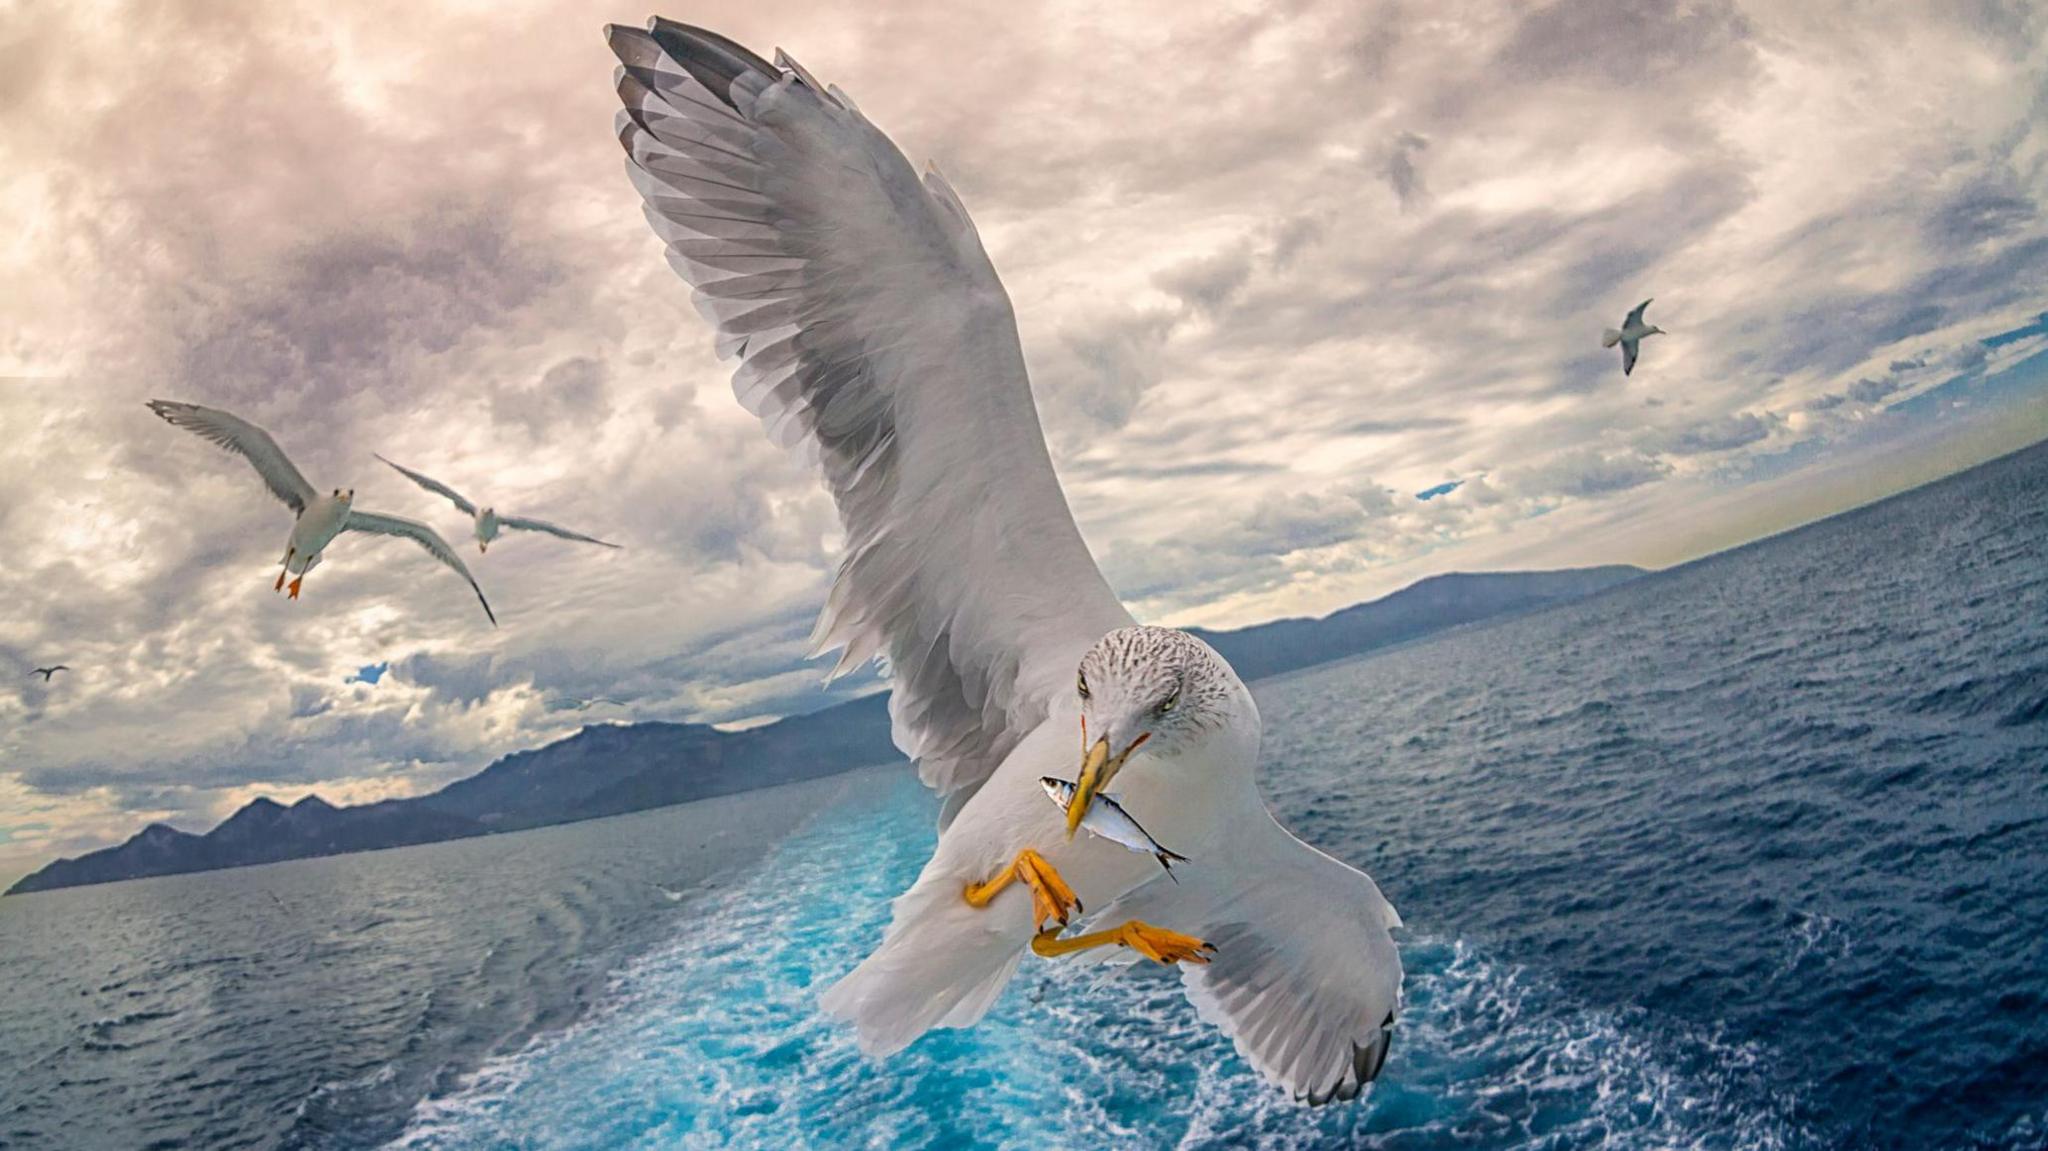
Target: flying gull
[[1630, 336], [320, 518], [873, 337], [47, 672], [487, 522]]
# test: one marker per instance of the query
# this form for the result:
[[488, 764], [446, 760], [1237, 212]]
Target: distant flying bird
[[487, 520], [320, 518], [47, 672], [1630, 336], [874, 337]]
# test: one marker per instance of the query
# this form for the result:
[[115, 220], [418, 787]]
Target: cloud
[[1207, 283], [1721, 434], [1279, 525], [572, 394], [1403, 173], [1590, 473], [1239, 297]]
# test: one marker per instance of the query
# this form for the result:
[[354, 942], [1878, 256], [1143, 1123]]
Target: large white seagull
[[873, 337]]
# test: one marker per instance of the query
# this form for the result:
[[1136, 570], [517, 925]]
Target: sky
[[1277, 267]]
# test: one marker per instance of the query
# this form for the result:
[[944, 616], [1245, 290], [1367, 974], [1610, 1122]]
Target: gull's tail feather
[[942, 964], [1610, 337]]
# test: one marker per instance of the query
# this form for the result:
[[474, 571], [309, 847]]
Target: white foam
[[714, 1040]]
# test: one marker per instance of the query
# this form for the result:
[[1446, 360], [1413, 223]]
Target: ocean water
[[1749, 854], [311, 1004]]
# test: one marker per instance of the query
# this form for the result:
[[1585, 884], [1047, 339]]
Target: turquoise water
[[714, 1041]]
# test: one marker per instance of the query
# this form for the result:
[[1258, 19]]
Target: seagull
[[1630, 336], [47, 672], [488, 522], [873, 336], [320, 518]]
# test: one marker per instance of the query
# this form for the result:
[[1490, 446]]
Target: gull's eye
[[1081, 685], [1168, 704]]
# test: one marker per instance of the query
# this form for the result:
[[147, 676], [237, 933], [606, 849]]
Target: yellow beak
[[1097, 769]]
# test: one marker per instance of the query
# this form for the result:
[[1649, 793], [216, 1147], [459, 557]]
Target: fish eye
[[1081, 685]]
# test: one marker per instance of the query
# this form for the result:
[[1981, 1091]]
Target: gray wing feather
[[1636, 317], [521, 523], [377, 524], [246, 440], [1630, 349], [435, 486], [874, 338], [1305, 978]]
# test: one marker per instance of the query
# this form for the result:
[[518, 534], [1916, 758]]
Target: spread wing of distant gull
[[378, 524], [873, 338], [317, 518], [247, 440], [1630, 336], [486, 522], [47, 672]]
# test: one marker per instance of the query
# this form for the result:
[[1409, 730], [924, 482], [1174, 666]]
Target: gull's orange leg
[[294, 586], [284, 571], [1051, 898], [1154, 943]]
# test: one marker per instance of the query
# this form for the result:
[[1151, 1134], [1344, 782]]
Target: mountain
[[263, 831], [1423, 607], [617, 768]]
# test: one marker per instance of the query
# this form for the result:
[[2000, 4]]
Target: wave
[[716, 1040]]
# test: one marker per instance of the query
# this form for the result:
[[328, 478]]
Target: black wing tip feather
[[1367, 1060], [712, 60]]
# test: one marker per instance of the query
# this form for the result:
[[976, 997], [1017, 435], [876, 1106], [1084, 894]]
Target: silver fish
[[1107, 818]]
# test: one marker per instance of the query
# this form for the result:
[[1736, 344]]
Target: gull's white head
[[344, 494], [1155, 689], [486, 528]]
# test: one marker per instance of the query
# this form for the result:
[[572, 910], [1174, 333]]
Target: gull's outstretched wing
[[246, 440], [1630, 349], [522, 524], [421, 534], [1636, 316], [873, 335], [1305, 978], [435, 486]]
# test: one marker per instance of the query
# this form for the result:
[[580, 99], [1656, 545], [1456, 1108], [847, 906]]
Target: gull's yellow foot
[[1051, 898], [293, 587], [1154, 943]]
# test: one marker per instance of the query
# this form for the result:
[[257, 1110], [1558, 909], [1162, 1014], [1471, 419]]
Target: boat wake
[[715, 1040]]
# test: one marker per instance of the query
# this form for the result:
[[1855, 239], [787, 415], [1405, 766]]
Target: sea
[[1752, 853]]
